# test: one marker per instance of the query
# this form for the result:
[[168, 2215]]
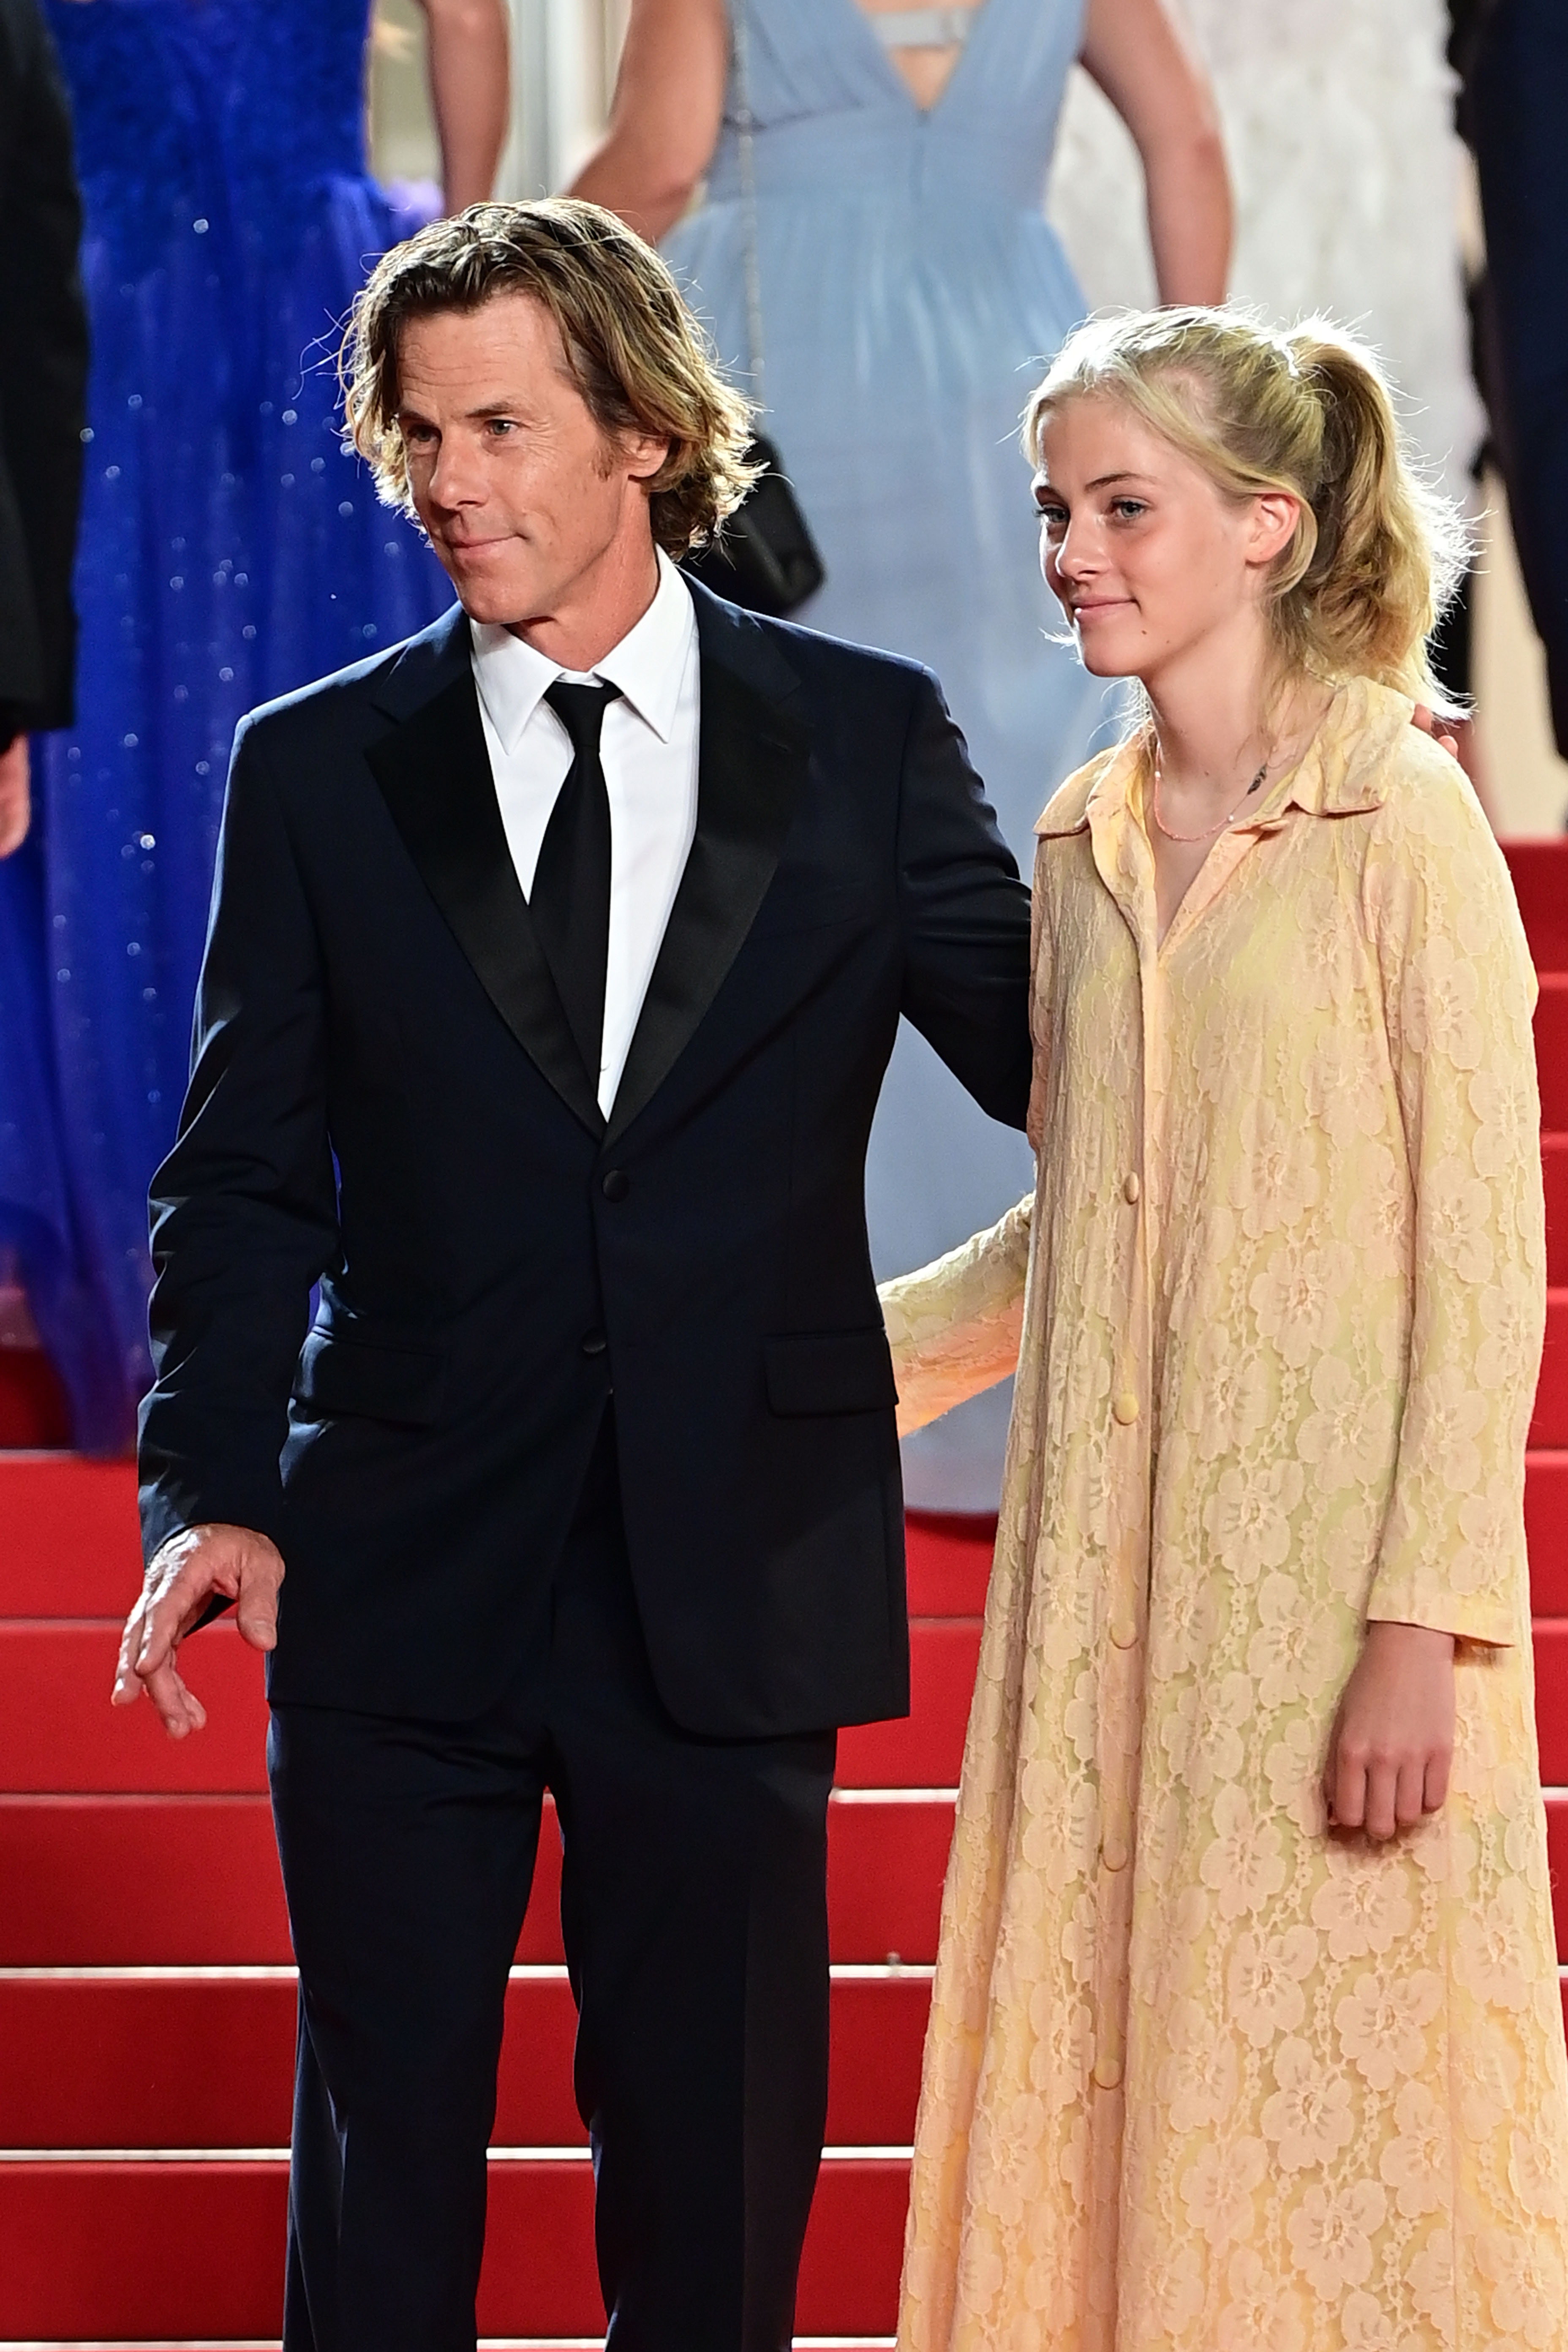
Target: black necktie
[[570, 900]]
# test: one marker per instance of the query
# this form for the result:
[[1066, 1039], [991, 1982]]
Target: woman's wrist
[[1397, 1633]]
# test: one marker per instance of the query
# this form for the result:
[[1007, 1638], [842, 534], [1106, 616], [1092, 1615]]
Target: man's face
[[528, 503]]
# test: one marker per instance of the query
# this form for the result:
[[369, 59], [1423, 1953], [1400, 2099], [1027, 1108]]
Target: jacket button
[[615, 1185], [1114, 1852], [1124, 1408], [593, 1343], [1125, 1628], [1131, 1189], [1108, 2070]]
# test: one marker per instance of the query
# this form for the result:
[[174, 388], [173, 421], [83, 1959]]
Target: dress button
[[1125, 1628], [1108, 2070], [1131, 1188], [615, 1185], [1124, 1408], [1114, 1852], [593, 1343]]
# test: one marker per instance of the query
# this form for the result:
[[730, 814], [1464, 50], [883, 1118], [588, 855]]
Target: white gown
[[1338, 120]]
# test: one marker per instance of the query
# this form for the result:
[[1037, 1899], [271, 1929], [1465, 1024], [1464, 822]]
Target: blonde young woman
[[1246, 2034]]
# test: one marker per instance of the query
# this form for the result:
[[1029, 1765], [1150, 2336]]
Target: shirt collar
[[648, 665], [1344, 772]]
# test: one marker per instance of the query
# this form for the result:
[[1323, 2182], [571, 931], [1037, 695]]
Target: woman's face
[[1147, 558]]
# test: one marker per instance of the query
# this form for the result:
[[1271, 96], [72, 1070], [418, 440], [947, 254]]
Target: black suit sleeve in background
[[43, 377], [1513, 56], [245, 1206], [966, 917]]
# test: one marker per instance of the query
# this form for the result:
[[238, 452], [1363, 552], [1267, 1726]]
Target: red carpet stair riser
[[146, 1995]]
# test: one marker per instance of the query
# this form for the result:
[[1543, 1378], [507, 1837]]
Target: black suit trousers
[[694, 1912]]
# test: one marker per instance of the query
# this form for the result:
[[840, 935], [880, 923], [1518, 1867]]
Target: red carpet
[[146, 1998]]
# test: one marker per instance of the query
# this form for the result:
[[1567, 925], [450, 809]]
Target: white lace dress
[[1339, 128]]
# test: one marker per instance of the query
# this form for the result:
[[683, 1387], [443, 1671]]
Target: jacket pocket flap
[[338, 1374], [829, 1372], [786, 911]]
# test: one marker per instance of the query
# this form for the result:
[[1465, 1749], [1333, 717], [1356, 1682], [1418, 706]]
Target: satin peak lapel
[[435, 775], [752, 759]]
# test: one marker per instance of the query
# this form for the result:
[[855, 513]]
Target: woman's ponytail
[[1387, 559]]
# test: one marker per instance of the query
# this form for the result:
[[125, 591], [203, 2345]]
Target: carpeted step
[[1557, 1863], [34, 1408], [69, 1539], [58, 1734], [1551, 1698], [1539, 871], [1549, 1424], [195, 2250], [1552, 1050], [923, 1750], [186, 2059], [949, 1558], [1546, 1525], [1554, 1174], [70, 1545], [127, 1880]]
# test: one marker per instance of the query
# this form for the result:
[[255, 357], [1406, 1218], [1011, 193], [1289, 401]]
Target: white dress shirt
[[648, 749]]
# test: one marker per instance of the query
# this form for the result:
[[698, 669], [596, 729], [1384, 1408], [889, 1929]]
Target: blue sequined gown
[[229, 551], [911, 291]]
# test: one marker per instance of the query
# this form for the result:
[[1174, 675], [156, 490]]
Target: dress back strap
[[922, 28]]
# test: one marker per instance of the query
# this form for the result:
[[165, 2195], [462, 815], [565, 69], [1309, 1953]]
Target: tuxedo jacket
[[386, 1100], [43, 376]]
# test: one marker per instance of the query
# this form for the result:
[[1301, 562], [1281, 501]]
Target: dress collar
[[648, 665]]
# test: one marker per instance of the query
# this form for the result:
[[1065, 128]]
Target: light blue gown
[[912, 293]]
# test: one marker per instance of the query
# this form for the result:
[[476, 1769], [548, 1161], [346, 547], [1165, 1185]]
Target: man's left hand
[[182, 1578]]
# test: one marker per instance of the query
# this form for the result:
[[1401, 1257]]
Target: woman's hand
[[1393, 1740]]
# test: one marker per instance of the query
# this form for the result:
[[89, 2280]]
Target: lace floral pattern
[[1200, 2075]]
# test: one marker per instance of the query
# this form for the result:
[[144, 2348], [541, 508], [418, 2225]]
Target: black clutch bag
[[764, 555]]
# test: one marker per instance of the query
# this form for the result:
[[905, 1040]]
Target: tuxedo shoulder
[[843, 656], [774, 653], [345, 699]]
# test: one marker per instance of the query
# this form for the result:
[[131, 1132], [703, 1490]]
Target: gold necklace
[[1256, 785]]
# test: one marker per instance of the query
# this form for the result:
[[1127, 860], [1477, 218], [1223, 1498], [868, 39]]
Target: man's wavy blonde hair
[[635, 351]]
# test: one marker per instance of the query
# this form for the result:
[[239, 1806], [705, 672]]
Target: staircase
[[147, 1998]]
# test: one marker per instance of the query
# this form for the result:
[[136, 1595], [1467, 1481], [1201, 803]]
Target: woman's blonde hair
[[1375, 555], [635, 351]]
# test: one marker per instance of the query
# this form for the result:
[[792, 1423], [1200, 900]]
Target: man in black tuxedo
[[43, 396], [556, 957]]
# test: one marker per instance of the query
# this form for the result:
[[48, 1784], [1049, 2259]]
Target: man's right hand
[[182, 1579]]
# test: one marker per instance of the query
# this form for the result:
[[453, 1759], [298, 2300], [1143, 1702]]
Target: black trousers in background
[[694, 1911]]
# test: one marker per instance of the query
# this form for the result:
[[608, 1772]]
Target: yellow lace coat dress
[[1201, 2077]]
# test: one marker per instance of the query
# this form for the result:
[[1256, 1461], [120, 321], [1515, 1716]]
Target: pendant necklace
[[1256, 785]]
